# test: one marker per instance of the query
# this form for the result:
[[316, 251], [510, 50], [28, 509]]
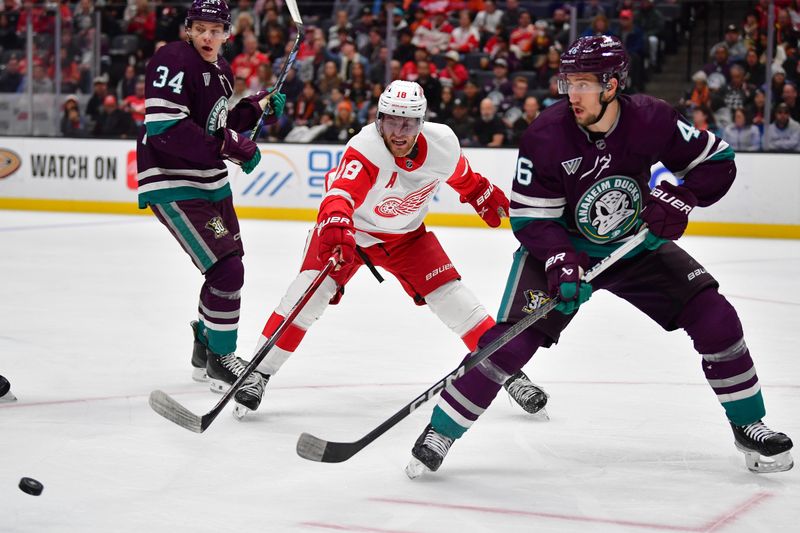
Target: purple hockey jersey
[[577, 188], [186, 101]]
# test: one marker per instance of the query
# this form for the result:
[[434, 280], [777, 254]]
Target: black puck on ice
[[5, 386], [30, 486]]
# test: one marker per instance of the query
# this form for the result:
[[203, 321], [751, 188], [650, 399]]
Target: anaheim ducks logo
[[534, 299], [393, 206], [9, 163]]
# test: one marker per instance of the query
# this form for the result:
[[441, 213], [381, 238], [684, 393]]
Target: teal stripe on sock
[[745, 411], [190, 238], [446, 425], [222, 342], [511, 285]]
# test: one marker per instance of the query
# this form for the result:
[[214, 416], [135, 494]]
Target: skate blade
[[8, 397], [760, 464], [541, 415], [218, 386], [415, 468], [240, 411]]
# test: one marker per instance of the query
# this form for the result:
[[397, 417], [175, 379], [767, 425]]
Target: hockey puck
[[30, 486], [5, 386]]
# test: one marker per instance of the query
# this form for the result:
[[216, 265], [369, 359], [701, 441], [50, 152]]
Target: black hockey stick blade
[[323, 451], [163, 404]]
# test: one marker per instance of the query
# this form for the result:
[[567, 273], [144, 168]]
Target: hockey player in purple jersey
[[187, 135], [580, 190]]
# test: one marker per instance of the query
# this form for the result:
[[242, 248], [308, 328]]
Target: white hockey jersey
[[388, 196]]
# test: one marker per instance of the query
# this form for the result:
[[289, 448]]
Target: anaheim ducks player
[[376, 199]]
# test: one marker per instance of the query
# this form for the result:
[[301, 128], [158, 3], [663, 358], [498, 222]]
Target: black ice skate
[[198, 354], [222, 372], [428, 452], [527, 394], [764, 450], [5, 391]]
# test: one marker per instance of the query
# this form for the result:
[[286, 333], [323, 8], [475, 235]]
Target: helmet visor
[[399, 126], [578, 86]]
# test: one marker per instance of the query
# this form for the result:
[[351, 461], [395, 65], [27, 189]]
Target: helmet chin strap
[[603, 107]]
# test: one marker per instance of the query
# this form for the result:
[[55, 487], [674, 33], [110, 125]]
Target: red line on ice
[[339, 527]]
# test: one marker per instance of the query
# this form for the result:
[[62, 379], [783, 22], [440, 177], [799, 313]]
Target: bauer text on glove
[[667, 210], [336, 232], [489, 202]]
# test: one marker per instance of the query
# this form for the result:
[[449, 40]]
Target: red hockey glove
[[667, 210], [564, 269], [336, 232], [239, 149], [489, 201]]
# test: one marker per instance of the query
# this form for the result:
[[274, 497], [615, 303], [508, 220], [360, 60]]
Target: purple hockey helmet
[[602, 55], [209, 11]]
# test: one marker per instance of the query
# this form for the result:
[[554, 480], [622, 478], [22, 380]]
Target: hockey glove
[[239, 149], [336, 232], [489, 201], [667, 210], [564, 269], [277, 103]]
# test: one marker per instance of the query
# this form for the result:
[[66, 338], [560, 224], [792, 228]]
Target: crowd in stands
[[487, 66], [729, 94]]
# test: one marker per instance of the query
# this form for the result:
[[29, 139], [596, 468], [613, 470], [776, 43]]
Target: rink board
[[99, 176]]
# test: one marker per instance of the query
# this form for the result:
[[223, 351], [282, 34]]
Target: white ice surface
[[94, 313]]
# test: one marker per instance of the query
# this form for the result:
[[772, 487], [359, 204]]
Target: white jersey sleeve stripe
[[534, 212], [159, 117], [700, 158], [160, 102], [532, 201], [340, 192]]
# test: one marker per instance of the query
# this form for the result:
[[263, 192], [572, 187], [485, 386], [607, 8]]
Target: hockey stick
[[290, 59], [316, 449], [165, 405]]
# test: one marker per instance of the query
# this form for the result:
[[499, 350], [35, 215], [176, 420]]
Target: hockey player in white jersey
[[372, 213]]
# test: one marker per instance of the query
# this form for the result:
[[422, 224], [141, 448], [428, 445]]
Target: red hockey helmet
[[601, 55]]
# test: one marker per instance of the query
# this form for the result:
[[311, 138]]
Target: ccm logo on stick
[[672, 200]]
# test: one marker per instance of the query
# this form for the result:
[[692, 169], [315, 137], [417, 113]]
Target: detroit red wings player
[[376, 200]]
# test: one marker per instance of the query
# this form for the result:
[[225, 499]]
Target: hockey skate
[[428, 452], [527, 394], [222, 372], [765, 451], [198, 354], [5, 391]]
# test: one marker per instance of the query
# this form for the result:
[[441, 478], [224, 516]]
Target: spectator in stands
[[751, 31], [143, 25], [790, 99], [783, 133], [733, 41], [357, 87], [409, 70], [8, 34], [39, 82], [510, 109], [99, 94], [341, 28], [462, 123], [756, 109], [240, 90], [651, 21], [308, 107], [633, 39], [454, 71], [346, 124], [134, 104], [599, 26], [490, 129], [778, 81], [329, 79], [398, 19], [737, 93], [168, 22], [560, 28], [472, 97], [703, 119], [11, 78], [433, 34], [465, 38], [720, 63], [497, 47], [42, 21], [511, 14], [444, 111], [488, 19], [113, 122], [741, 134], [362, 28], [243, 24], [552, 96], [549, 67], [72, 124], [498, 87], [348, 57], [82, 16], [754, 71], [431, 86], [377, 68], [530, 111], [523, 36], [263, 78], [376, 89], [246, 64], [371, 49], [700, 93], [276, 45], [351, 7]]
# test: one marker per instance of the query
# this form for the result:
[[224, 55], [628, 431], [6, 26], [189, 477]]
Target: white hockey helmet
[[403, 99]]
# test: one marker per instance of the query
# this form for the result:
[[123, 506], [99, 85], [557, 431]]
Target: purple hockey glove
[[667, 210], [277, 104], [563, 269], [239, 149]]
